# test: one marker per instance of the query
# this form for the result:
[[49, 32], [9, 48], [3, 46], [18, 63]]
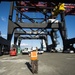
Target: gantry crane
[[48, 9]]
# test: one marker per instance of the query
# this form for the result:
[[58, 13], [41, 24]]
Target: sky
[[4, 12]]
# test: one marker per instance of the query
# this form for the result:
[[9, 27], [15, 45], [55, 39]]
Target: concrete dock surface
[[48, 64]]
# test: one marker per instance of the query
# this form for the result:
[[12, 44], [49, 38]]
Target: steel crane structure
[[39, 26]]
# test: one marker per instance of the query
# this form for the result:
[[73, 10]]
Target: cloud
[[3, 19], [3, 35], [23, 44]]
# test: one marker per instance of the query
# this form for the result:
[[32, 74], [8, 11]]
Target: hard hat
[[34, 48]]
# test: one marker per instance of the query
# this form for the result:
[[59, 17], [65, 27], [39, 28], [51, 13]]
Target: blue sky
[[4, 11]]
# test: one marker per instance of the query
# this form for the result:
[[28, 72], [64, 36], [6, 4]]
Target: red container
[[13, 52]]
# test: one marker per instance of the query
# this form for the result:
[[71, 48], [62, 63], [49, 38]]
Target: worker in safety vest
[[34, 60]]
